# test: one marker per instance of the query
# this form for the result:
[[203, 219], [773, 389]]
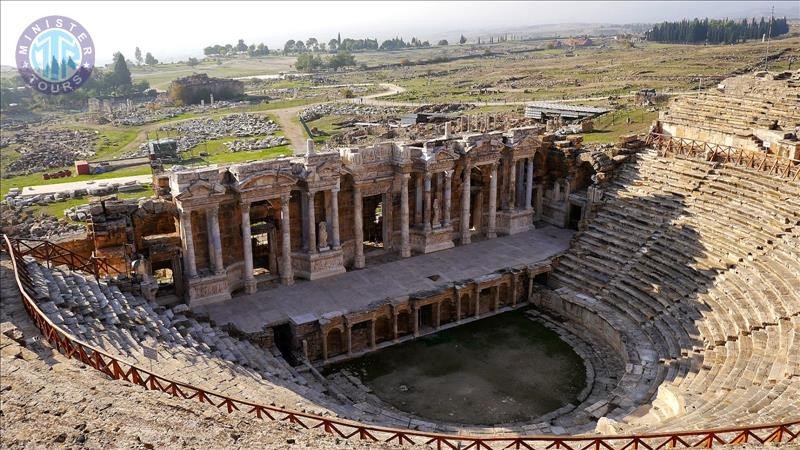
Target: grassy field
[[610, 126], [160, 75]]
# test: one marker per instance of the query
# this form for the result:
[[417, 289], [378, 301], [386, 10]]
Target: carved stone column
[[247, 250], [418, 204], [372, 339], [448, 194], [405, 244], [335, 218], [426, 212], [465, 204], [188, 244], [529, 185], [287, 274], [303, 222], [214, 239], [512, 186], [311, 223], [539, 201], [491, 227], [386, 216], [358, 227], [518, 193]]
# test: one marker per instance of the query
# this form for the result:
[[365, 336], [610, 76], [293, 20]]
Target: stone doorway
[[264, 236], [476, 200], [265, 257], [373, 222], [426, 318], [575, 215]]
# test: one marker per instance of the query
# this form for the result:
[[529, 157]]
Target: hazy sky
[[173, 30]]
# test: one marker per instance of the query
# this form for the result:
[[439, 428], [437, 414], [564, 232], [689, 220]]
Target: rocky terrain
[[42, 149], [345, 109], [196, 131], [20, 221]]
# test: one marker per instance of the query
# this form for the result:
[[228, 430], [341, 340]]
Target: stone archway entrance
[[264, 237]]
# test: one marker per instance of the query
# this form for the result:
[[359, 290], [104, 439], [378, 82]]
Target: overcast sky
[[173, 30]]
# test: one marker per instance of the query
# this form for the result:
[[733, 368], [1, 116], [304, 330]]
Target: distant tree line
[[714, 31], [240, 48], [350, 45], [311, 62]]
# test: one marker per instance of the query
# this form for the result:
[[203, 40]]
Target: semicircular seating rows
[[700, 264], [705, 259]]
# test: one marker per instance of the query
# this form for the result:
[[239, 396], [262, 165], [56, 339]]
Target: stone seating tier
[[711, 276]]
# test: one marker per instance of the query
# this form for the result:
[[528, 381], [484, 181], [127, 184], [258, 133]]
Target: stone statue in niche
[[436, 214], [322, 236]]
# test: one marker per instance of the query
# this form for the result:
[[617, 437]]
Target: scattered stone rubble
[[20, 221], [256, 144], [16, 197], [43, 148], [150, 112], [197, 131], [346, 109]]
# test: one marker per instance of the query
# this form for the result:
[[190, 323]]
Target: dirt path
[[290, 124]]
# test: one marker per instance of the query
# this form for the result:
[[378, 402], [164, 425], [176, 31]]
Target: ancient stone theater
[[669, 262]]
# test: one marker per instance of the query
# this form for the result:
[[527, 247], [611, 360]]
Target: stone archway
[[383, 329], [447, 311], [334, 341], [467, 306], [505, 295], [404, 323]]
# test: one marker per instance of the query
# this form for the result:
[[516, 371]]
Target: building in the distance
[[200, 87]]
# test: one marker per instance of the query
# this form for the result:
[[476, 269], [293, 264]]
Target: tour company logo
[[55, 55]]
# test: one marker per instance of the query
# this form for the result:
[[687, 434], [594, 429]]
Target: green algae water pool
[[502, 369]]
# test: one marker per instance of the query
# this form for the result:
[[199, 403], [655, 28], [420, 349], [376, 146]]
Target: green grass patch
[[110, 143], [610, 126]]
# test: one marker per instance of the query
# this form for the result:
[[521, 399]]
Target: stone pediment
[[322, 171], [201, 189], [273, 179]]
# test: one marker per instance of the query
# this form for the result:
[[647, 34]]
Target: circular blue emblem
[[55, 55]]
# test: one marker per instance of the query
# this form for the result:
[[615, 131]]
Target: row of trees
[[313, 45], [311, 62], [337, 44], [148, 59], [240, 47], [715, 31]]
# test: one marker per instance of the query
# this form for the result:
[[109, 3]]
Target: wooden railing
[[56, 255], [118, 369], [725, 154]]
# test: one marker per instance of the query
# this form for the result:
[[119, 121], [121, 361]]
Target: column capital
[[285, 198], [428, 176], [214, 209], [310, 193], [448, 173], [245, 205]]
